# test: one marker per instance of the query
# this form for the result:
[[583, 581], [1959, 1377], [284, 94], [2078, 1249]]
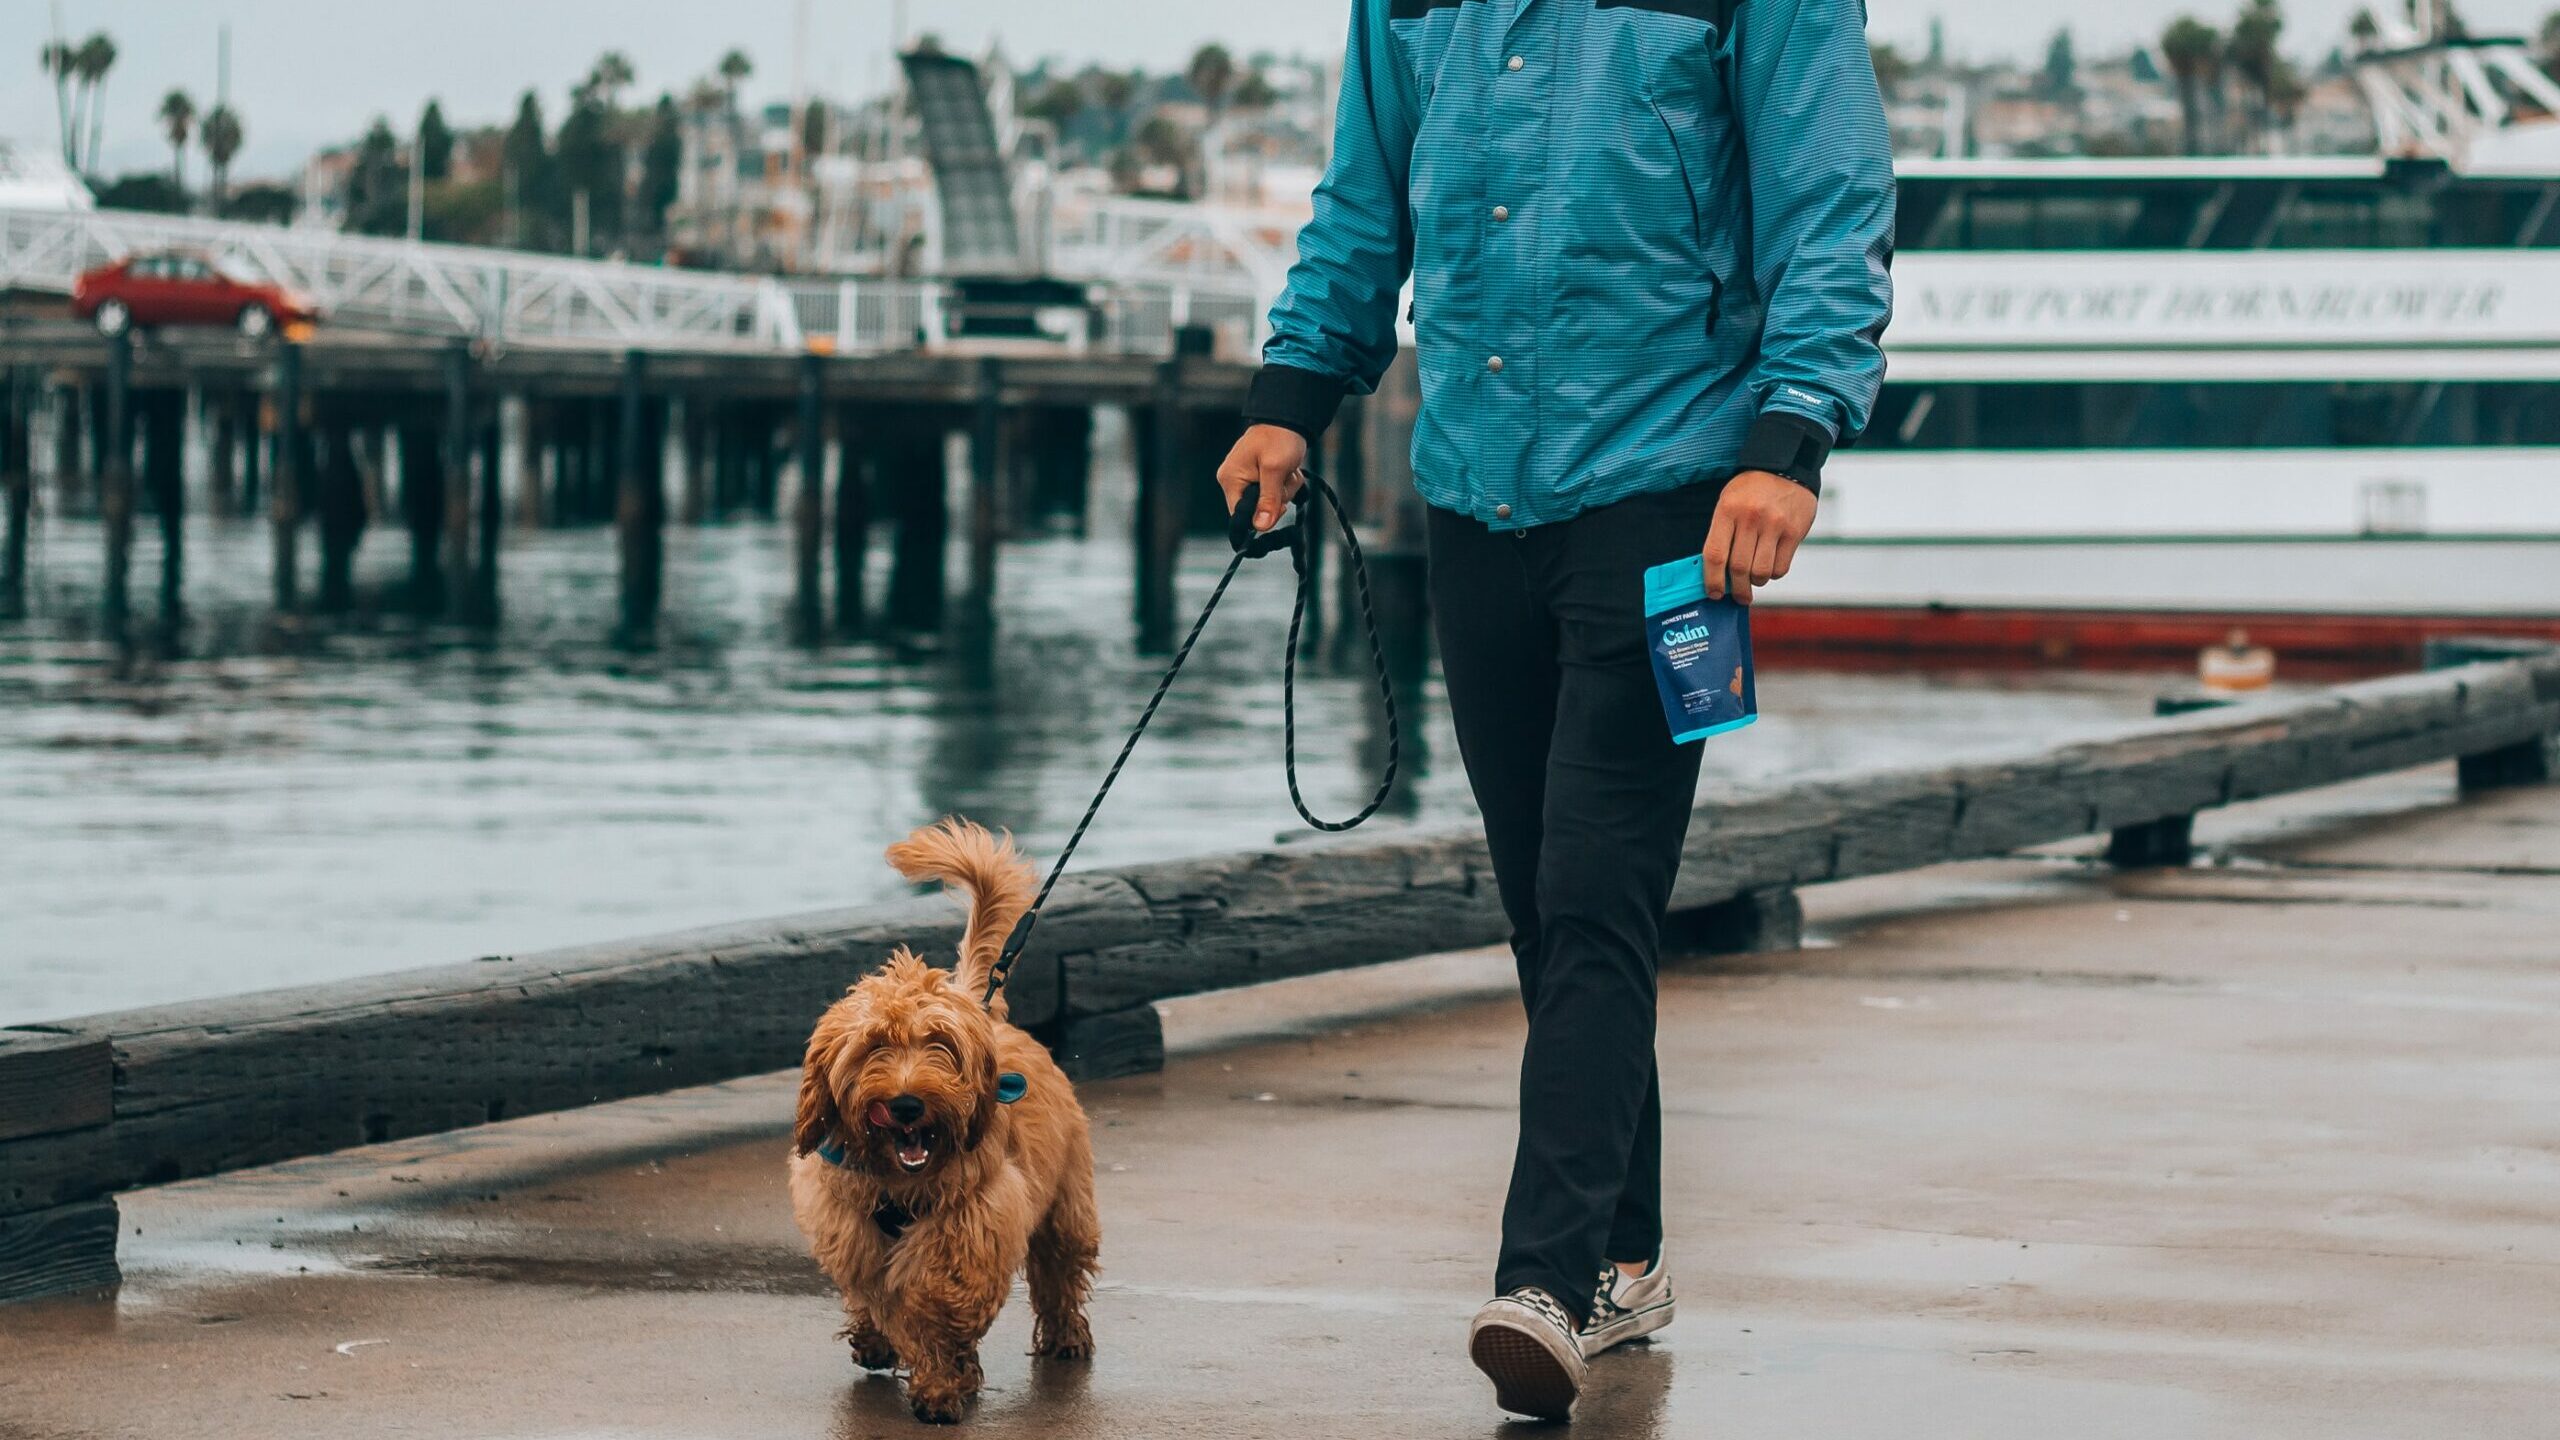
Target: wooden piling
[[17, 487], [115, 481], [253, 452], [222, 469], [1061, 463], [1163, 508], [685, 435], [719, 459], [451, 455], [165, 475], [341, 512], [525, 440], [809, 499], [919, 499], [291, 479], [562, 442], [423, 510], [853, 522], [70, 422], [986, 484], [639, 508], [483, 609]]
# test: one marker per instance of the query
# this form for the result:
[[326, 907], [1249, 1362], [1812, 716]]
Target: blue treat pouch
[[1701, 653]]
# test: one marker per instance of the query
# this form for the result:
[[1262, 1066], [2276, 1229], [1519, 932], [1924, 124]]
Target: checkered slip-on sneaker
[[1624, 1308], [1525, 1343]]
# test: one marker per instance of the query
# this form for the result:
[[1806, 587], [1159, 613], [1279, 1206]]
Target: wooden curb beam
[[94, 1106]]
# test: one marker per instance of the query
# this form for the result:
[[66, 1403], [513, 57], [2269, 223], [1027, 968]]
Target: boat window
[[2313, 415], [2028, 212]]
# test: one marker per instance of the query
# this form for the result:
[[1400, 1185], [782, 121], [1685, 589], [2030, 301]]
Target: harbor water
[[270, 805]]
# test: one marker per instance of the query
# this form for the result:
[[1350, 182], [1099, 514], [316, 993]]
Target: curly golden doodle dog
[[939, 1151]]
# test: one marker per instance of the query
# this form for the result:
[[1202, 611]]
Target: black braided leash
[[1292, 537]]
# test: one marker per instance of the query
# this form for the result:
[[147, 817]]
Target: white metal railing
[[1153, 265], [508, 296]]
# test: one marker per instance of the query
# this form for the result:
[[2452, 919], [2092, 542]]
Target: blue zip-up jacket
[[1649, 243]]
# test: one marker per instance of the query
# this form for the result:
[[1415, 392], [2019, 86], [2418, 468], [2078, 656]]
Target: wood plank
[[62, 1251], [217, 1085], [1103, 1047], [50, 1081]]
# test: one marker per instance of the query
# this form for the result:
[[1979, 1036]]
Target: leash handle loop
[[1248, 544]]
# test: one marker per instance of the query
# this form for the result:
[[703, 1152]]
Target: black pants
[[1585, 802]]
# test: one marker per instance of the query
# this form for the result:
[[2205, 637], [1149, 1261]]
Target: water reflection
[[268, 804]]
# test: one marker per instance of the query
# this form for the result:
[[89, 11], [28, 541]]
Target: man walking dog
[[1649, 242]]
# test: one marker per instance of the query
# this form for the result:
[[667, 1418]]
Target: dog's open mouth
[[911, 1144]]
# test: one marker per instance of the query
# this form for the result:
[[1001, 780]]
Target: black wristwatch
[[1785, 443]]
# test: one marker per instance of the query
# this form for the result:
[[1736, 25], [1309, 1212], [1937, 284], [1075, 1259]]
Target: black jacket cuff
[[1784, 443], [1293, 399]]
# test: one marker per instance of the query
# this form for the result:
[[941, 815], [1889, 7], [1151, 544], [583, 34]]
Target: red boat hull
[[2100, 639]]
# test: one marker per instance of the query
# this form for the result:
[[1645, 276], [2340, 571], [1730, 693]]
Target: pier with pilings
[[334, 437]]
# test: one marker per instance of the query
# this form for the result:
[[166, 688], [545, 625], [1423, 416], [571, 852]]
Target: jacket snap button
[[1493, 363], [1501, 212], [1516, 62], [1501, 512]]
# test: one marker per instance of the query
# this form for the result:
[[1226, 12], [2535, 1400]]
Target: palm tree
[[177, 121], [613, 74], [2193, 52], [61, 60], [733, 70], [2255, 59], [221, 135], [1211, 71], [97, 57]]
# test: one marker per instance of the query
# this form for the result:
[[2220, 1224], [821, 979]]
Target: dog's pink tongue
[[880, 1114]]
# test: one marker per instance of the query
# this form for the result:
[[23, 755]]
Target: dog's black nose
[[906, 1109]]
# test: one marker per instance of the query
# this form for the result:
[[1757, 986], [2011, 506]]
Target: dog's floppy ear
[[818, 1119], [984, 1111]]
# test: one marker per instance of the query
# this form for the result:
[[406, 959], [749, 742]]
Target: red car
[[178, 288]]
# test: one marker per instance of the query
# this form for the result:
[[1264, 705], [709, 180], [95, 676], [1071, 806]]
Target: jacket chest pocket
[[1421, 31], [1680, 58]]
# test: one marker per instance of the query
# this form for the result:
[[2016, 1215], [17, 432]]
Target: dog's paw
[[1071, 1339], [938, 1409], [871, 1352]]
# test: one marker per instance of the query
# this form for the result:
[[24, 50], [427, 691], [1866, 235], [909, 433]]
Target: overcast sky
[[306, 72]]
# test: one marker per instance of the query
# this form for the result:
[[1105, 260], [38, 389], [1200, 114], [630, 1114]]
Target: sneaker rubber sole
[[1528, 1379], [1626, 1328]]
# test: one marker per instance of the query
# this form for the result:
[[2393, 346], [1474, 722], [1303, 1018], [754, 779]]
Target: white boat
[[2132, 405]]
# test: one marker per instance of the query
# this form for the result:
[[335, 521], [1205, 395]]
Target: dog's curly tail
[[987, 868]]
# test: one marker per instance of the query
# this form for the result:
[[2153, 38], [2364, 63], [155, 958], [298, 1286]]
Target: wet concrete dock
[[2264, 1147]]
